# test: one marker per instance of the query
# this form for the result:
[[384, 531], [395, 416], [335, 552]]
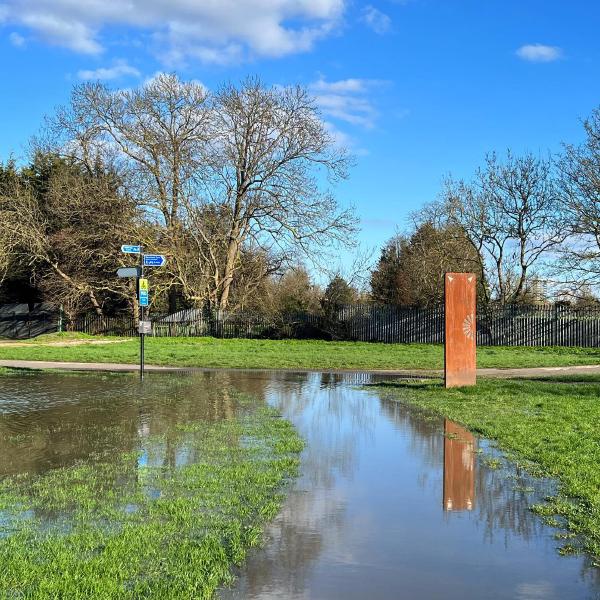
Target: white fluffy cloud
[[346, 100], [378, 21], [539, 53], [210, 30], [16, 40], [120, 69]]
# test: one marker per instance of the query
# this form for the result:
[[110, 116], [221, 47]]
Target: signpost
[[143, 291]]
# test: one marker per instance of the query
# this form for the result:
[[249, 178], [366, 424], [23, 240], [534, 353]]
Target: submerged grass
[[290, 354], [125, 527], [551, 428]]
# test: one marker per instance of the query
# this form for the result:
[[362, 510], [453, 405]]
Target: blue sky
[[417, 88]]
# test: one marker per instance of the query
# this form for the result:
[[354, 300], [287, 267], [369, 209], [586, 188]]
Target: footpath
[[524, 373]]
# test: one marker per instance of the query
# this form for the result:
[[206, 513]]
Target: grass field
[[552, 428], [114, 527], [283, 354]]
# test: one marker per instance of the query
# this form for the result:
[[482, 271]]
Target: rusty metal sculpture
[[460, 330]]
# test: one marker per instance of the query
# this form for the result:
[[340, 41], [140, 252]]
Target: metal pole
[[141, 315]]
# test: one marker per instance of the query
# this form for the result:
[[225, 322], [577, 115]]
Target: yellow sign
[[143, 285]]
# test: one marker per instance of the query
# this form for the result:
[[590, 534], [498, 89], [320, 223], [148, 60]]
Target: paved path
[[494, 373]]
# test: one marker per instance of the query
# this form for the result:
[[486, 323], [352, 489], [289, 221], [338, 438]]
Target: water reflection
[[50, 421], [459, 467], [362, 520]]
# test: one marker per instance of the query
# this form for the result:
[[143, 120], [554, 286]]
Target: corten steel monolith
[[460, 328]]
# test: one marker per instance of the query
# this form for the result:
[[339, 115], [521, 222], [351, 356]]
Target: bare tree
[[509, 214], [154, 136], [9, 239], [223, 174], [268, 154], [201, 253], [580, 197], [155, 133]]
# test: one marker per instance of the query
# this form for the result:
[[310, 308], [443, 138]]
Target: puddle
[[390, 502]]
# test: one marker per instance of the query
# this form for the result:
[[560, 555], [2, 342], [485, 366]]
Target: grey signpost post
[[143, 300], [146, 260]]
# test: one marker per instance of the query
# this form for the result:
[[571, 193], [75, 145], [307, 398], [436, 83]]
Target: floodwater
[[390, 503]]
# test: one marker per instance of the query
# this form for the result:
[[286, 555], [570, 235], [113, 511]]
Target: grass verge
[[551, 428], [292, 354], [118, 527]]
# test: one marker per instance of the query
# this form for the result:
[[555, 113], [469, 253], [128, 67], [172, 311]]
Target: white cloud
[[346, 100], [208, 30], [55, 29], [344, 140], [120, 69], [378, 21], [16, 40], [539, 53], [340, 138]]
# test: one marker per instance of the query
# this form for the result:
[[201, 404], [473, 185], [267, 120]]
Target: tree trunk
[[232, 251], [94, 302], [233, 247]]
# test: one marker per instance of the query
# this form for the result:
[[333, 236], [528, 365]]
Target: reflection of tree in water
[[503, 501], [502, 496], [333, 419], [423, 430], [204, 397], [296, 539], [52, 421]]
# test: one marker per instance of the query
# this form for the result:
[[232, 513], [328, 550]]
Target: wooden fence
[[496, 326]]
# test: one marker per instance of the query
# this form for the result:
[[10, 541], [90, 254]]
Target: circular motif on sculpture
[[469, 326]]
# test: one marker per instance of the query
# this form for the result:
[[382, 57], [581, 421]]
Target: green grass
[[551, 428], [63, 336], [113, 527], [294, 354]]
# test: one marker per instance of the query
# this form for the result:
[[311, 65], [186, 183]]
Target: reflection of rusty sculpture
[[460, 340], [459, 468]]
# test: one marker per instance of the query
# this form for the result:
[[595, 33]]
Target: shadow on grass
[[412, 383]]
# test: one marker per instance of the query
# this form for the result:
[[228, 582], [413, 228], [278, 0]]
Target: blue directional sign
[[131, 249], [154, 260]]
